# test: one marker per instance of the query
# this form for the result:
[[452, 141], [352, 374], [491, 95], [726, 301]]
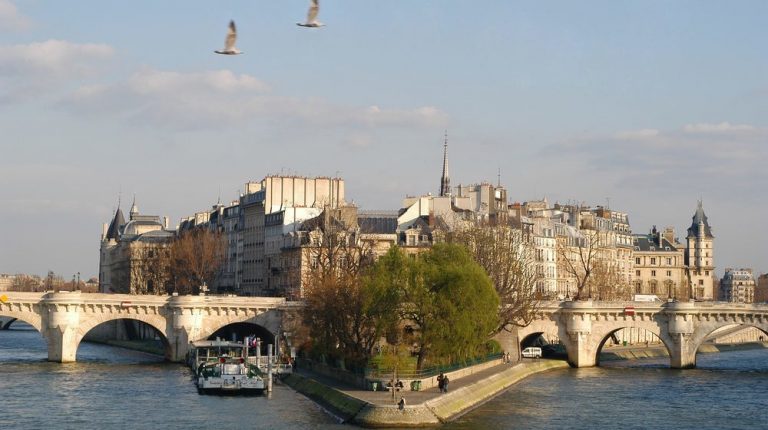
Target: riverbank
[[637, 353], [426, 408]]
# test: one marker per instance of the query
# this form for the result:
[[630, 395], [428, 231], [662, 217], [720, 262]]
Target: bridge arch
[[607, 336], [602, 331], [156, 321], [706, 328], [270, 321], [26, 315]]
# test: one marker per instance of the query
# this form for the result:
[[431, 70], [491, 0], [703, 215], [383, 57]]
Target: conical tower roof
[[699, 218], [114, 227]]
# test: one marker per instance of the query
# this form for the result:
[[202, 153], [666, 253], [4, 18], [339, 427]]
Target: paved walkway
[[411, 397]]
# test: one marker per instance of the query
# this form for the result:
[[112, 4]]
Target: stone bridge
[[64, 318], [584, 326]]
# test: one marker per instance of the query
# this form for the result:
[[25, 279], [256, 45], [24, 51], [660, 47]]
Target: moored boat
[[222, 367]]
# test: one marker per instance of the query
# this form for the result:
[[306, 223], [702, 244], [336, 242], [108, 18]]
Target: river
[[114, 388]]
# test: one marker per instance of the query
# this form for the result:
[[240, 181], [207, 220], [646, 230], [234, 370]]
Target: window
[[653, 260], [669, 261], [653, 273], [637, 260], [706, 272], [669, 273], [701, 282], [637, 273]]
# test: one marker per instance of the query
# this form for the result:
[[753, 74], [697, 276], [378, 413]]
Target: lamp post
[[78, 280]]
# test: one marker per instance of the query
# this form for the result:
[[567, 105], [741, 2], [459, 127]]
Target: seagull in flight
[[314, 8], [229, 43]]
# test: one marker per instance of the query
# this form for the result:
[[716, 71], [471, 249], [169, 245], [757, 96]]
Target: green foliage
[[440, 305], [493, 347], [448, 299]]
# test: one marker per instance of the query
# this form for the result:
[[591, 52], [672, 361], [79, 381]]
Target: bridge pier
[[63, 321], [186, 323], [582, 350], [681, 328]]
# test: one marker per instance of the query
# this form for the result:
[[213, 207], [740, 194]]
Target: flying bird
[[229, 43], [314, 8]]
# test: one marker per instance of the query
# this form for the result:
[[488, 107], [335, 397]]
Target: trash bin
[[415, 385], [625, 343], [374, 385]]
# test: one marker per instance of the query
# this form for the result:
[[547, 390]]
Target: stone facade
[[659, 265], [127, 247], [699, 256], [737, 286], [761, 290]]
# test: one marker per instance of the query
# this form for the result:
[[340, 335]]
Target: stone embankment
[[424, 408], [634, 353]]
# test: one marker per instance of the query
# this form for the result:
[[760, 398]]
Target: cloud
[[637, 134], [10, 18], [694, 157], [221, 98], [29, 69], [723, 127]]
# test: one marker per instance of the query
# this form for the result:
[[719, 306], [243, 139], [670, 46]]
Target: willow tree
[[450, 301], [505, 255]]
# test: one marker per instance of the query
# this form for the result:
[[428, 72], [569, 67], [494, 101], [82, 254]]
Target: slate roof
[[114, 227], [377, 224], [699, 216], [645, 242]]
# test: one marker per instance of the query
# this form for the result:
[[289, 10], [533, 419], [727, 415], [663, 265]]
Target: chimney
[[165, 222], [104, 228]]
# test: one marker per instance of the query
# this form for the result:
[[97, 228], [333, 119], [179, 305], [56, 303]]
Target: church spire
[[445, 181], [134, 208]]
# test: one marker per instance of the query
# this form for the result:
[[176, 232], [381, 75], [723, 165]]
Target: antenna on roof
[[499, 177]]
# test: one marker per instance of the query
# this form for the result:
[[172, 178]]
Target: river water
[[113, 388]]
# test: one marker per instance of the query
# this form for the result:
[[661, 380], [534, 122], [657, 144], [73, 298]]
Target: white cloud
[[637, 134], [52, 58], [693, 157], [220, 98], [10, 18], [27, 70], [723, 127]]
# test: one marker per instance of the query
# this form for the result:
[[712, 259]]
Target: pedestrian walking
[[401, 403], [445, 384], [441, 381]]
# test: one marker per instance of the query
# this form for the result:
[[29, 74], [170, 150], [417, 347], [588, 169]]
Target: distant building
[[761, 290], [127, 247], [659, 265], [737, 286], [700, 257], [6, 281]]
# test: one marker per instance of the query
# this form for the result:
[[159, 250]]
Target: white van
[[532, 352]]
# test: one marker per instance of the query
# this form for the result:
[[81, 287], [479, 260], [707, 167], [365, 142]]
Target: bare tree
[[608, 283], [507, 258], [27, 283], [579, 256], [343, 308], [196, 256]]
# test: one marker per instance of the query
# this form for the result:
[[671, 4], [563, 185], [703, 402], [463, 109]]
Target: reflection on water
[[727, 390], [114, 388]]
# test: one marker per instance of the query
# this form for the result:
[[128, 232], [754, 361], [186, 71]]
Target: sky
[[646, 106]]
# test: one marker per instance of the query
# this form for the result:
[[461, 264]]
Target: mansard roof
[[377, 224], [646, 242], [699, 217], [114, 227]]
